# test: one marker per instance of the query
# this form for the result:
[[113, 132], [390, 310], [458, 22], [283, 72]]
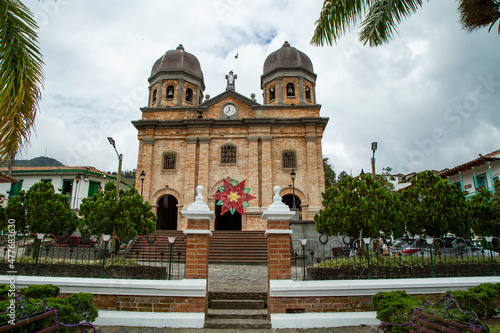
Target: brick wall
[[319, 304]]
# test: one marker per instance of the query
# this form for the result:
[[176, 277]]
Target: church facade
[[186, 140]]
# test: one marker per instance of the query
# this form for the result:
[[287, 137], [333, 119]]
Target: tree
[[131, 216], [483, 213], [15, 210], [48, 212], [358, 207], [385, 178], [342, 175], [41, 210], [329, 174], [434, 207], [380, 18], [21, 76]]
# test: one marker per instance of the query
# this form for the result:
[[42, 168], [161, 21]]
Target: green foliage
[[41, 210], [22, 77], [40, 291], [15, 210], [83, 306], [394, 307], [49, 212], [482, 299], [131, 216], [433, 207], [329, 174], [485, 219], [4, 290], [380, 19], [71, 310], [358, 205]]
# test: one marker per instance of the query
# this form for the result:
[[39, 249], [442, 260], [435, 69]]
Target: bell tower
[[176, 80], [288, 78]]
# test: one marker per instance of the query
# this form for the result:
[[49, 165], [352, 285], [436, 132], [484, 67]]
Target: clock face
[[229, 109]]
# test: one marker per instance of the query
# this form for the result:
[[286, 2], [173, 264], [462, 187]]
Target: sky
[[430, 97]]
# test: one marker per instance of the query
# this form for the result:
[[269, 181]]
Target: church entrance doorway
[[167, 213], [227, 221], [288, 200]]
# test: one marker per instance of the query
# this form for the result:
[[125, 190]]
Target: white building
[[476, 174], [75, 182]]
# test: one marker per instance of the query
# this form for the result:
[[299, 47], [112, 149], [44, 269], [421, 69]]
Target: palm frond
[[337, 17], [21, 76], [382, 19], [476, 14]]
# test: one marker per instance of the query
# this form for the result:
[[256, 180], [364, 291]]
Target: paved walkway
[[237, 277]]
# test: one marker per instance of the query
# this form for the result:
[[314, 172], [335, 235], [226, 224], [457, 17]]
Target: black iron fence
[[97, 257], [341, 259]]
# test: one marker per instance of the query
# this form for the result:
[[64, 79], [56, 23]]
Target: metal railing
[[95, 257], [333, 259]]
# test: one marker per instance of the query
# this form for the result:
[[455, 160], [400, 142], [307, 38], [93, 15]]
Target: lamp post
[[489, 244], [367, 243], [118, 176], [106, 239], [430, 241], [294, 205], [78, 177], [143, 175], [374, 147]]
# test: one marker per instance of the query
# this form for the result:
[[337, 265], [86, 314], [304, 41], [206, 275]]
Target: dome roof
[[287, 57], [178, 60]]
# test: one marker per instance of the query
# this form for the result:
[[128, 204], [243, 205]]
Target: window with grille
[[288, 159], [169, 161], [228, 154]]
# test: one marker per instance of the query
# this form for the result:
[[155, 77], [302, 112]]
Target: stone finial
[[277, 210], [198, 210]]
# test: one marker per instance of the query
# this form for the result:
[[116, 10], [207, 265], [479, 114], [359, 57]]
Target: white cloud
[[98, 56]]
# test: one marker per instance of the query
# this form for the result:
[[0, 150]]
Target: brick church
[[186, 139]]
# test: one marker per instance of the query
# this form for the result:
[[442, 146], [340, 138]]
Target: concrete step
[[237, 295], [237, 304], [237, 314], [240, 324]]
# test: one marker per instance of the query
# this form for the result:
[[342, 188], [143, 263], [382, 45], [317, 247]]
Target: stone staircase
[[248, 247], [237, 310]]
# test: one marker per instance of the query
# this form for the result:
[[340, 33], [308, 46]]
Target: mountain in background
[[40, 161]]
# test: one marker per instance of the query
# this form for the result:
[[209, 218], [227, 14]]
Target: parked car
[[408, 246]]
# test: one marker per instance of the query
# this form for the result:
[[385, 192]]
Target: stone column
[[197, 234], [278, 233]]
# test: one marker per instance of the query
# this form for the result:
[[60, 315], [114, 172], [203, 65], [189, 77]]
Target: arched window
[[288, 159], [153, 98], [272, 94], [170, 93], [169, 161], [290, 90], [228, 154], [308, 94], [189, 95]]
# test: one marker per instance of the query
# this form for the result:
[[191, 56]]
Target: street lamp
[[293, 174], [118, 177], [374, 147], [78, 177], [143, 175]]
